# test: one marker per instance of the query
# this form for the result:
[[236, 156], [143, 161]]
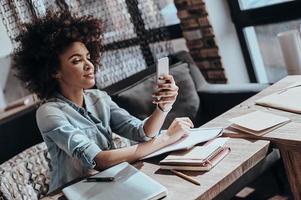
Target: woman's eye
[[76, 61]]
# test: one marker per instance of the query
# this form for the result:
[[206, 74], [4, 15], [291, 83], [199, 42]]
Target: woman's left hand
[[166, 93]]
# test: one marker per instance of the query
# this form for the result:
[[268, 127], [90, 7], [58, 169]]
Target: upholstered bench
[[27, 175]]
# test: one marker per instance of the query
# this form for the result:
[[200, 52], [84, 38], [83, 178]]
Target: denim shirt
[[75, 135]]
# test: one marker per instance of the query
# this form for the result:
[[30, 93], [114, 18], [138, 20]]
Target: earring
[[57, 76]]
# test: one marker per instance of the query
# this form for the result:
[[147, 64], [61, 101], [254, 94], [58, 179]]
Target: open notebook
[[287, 99], [257, 122], [199, 158], [129, 184], [196, 136]]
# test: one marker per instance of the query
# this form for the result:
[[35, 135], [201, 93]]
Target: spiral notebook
[[129, 184]]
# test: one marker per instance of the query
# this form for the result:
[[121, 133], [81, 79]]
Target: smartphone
[[162, 68]]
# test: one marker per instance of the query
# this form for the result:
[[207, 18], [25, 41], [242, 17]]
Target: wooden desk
[[287, 138], [244, 155]]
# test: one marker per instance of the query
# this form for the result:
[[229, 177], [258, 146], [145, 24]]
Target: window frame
[[145, 36], [270, 14]]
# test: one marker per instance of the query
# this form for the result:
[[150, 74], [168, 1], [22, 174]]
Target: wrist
[[165, 110], [165, 138]]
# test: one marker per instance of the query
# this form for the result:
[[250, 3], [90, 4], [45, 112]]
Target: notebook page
[[197, 135]]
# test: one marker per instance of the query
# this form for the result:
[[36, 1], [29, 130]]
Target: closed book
[[128, 183], [199, 158], [287, 99], [257, 123]]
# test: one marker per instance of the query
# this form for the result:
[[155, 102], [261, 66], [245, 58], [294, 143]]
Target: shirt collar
[[58, 96]]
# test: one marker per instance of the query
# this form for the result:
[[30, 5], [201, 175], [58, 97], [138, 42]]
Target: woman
[[57, 60]]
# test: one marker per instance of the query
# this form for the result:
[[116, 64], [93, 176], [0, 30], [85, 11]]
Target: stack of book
[[199, 158]]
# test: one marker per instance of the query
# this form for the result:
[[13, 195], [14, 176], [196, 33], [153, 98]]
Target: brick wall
[[200, 40]]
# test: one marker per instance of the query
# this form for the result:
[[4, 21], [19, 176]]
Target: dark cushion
[[137, 98]]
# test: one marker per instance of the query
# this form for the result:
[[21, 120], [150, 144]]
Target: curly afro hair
[[43, 40]]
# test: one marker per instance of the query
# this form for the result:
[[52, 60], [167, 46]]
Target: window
[[249, 4], [136, 33], [257, 23]]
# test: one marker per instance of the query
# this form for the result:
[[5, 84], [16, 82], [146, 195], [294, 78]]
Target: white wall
[[5, 50], [169, 12], [6, 46], [227, 41]]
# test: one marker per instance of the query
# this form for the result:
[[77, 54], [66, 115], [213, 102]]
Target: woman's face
[[76, 70]]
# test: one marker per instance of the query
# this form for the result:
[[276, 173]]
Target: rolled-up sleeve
[[125, 124], [70, 139]]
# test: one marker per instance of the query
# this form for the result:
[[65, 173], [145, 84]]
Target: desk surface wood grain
[[287, 138], [287, 134], [244, 155]]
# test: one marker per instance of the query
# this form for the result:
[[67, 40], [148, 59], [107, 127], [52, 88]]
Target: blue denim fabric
[[75, 135]]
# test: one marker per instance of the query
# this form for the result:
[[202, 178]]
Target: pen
[[184, 176], [99, 179]]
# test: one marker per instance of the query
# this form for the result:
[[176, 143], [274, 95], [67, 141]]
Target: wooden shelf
[[22, 105]]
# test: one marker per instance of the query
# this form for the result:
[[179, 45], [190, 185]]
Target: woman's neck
[[76, 96]]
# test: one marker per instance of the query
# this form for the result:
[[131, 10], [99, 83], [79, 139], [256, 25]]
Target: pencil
[[184, 176]]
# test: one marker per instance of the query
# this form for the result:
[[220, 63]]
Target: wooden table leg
[[292, 161]]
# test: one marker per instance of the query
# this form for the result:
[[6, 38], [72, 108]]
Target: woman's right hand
[[179, 128]]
